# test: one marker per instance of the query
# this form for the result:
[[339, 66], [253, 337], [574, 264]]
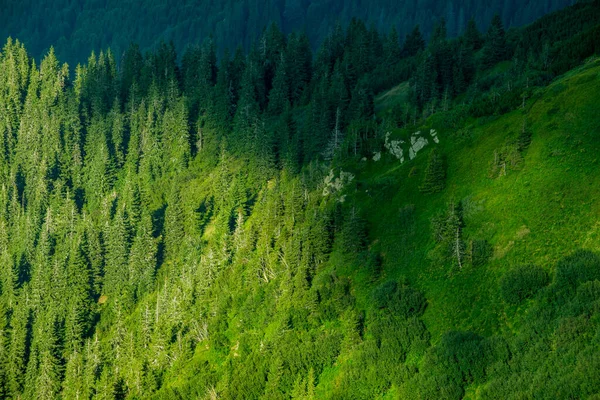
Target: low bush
[[522, 283]]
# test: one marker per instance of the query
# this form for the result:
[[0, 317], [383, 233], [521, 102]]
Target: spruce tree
[[391, 49], [413, 43], [472, 37], [279, 95], [434, 180], [495, 49]]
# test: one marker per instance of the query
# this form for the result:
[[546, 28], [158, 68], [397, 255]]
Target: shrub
[[480, 251], [402, 301], [384, 293], [522, 283], [408, 302], [581, 267], [466, 354]]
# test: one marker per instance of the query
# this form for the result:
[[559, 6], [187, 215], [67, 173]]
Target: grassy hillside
[[539, 212], [219, 230], [543, 211]]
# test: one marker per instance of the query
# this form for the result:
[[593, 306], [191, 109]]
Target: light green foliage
[[164, 231]]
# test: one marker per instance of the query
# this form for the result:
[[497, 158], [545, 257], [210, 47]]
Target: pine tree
[[248, 108], [279, 95], [354, 233], [413, 43], [175, 135], [472, 37], [131, 71], [19, 347], [116, 277], [299, 65], [118, 131], [362, 104], [142, 258], [174, 218], [48, 374], [79, 307], [391, 49], [4, 347], [424, 81], [225, 99], [434, 180], [74, 384], [495, 49]]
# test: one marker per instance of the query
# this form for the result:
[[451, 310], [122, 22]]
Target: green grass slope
[[390, 316], [545, 208], [540, 212]]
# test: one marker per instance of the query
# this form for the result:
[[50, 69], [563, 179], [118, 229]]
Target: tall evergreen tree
[[434, 179], [472, 37], [413, 43], [279, 95], [495, 49]]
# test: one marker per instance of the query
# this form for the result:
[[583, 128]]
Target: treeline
[[74, 28]]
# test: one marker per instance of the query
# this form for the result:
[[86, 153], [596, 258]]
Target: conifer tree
[[176, 141], [19, 347], [279, 95], [472, 37], [354, 232], [494, 49], [142, 258], [4, 347], [79, 306], [299, 65], [74, 384], [131, 71], [413, 43], [174, 221], [434, 179], [248, 108], [391, 48], [116, 276], [225, 99]]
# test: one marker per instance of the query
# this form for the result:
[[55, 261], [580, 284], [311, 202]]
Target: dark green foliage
[[581, 267], [434, 180], [494, 49], [522, 283], [402, 301], [164, 232], [413, 43], [353, 235], [77, 27], [466, 355], [384, 294], [479, 251], [472, 37]]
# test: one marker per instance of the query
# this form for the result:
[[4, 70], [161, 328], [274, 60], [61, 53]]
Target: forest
[[396, 214], [76, 27]]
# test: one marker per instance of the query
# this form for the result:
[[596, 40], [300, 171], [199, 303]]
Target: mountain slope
[[542, 212], [211, 229], [75, 28]]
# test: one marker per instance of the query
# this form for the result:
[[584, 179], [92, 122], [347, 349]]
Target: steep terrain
[[215, 229], [75, 28], [472, 335]]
